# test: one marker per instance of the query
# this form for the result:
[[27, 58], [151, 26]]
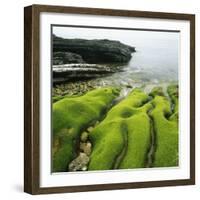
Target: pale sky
[[130, 37]]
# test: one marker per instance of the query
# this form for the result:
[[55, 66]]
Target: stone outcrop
[[91, 51]]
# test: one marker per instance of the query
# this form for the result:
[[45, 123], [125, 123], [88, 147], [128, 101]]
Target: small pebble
[[84, 136], [84, 168], [86, 148], [90, 129]]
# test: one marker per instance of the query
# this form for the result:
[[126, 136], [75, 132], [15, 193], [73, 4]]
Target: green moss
[[123, 139], [173, 94], [57, 98], [166, 132], [156, 91], [73, 115], [126, 126], [139, 140]]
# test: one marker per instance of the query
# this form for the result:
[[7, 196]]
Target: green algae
[[156, 91], [173, 94], [123, 140], [139, 140], [166, 131], [127, 125], [73, 115], [57, 98]]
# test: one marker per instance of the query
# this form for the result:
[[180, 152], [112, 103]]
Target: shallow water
[[155, 61]]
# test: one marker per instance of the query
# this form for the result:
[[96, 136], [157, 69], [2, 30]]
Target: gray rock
[[90, 129], [79, 163], [86, 148], [84, 136]]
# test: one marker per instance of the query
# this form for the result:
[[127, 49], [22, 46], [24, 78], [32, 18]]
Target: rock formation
[[92, 51], [69, 72]]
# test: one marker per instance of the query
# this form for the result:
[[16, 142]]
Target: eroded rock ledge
[[90, 51], [70, 72]]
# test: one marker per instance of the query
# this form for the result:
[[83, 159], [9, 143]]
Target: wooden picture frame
[[32, 107]]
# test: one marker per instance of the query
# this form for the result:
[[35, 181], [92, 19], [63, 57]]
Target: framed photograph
[[109, 99]]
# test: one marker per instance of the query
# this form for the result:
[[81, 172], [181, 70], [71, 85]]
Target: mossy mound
[[122, 140], [139, 139], [71, 116], [166, 132], [173, 94], [156, 91]]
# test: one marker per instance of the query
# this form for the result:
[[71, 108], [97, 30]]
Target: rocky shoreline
[[79, 59]]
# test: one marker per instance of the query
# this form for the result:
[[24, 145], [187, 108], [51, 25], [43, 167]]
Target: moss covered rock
[[166, 133], [71, 116], [138, 140], [122, 140], [173, 94], [156, 91]]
